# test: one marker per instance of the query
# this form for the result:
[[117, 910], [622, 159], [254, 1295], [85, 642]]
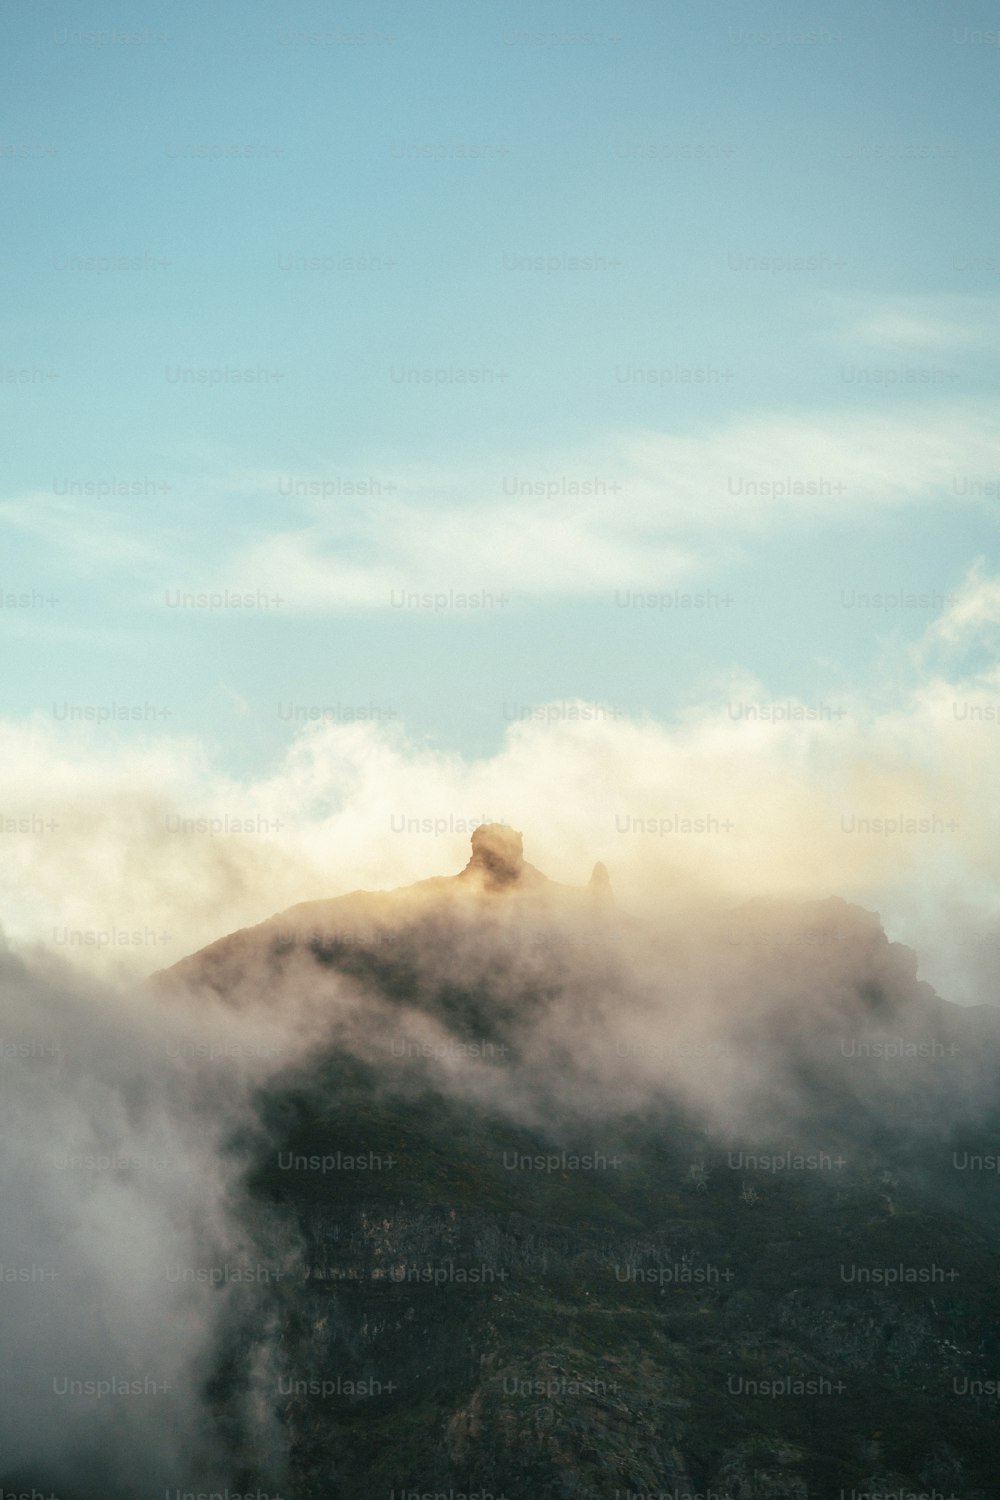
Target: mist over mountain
[[742, 1015], [485, 1186]]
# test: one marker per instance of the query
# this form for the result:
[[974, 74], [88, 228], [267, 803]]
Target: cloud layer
[[122, 1208], [126, 858], [636, 508]]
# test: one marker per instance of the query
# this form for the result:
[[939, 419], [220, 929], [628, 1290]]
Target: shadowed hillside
[[548, 1202]]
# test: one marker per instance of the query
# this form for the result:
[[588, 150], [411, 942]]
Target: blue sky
[[783, 217]]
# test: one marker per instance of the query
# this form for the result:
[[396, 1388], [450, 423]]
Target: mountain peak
[[497, 855], [600, 882]]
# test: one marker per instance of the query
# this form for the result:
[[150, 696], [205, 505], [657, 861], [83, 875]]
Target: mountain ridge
[[616, 1170]]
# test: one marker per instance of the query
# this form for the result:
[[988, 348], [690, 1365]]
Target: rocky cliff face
[[572, 1207], [528, 1316]]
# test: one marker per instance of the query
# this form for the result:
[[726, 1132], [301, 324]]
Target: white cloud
[[635, 510], [92, 536], [949, 324], [975, 609], [727, 802], [666, 508]]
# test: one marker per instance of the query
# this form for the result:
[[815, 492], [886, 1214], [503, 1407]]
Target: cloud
[[631, 510], [949, 324], [153, 852], [94, 537], [130, 1115], [120, 1112], [973, 612], [637, 510], [122, 1210]]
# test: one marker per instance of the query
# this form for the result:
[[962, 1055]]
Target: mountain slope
[[569, 1205]]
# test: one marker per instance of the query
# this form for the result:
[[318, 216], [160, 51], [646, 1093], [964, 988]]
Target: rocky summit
[[497, 860], [569, 1206]]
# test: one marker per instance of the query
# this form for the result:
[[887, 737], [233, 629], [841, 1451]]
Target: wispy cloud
[[973, 612], [637, 510], [928, 323], [92, 536]]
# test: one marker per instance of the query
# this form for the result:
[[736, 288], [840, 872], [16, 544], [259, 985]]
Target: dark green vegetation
[[595, 1330], [541, 1270]]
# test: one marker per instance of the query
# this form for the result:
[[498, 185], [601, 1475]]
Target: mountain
[[567, 1204], [497, 890]]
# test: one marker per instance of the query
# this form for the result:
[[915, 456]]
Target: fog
[[132, 1110], [121, 1193], [152, 852]]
